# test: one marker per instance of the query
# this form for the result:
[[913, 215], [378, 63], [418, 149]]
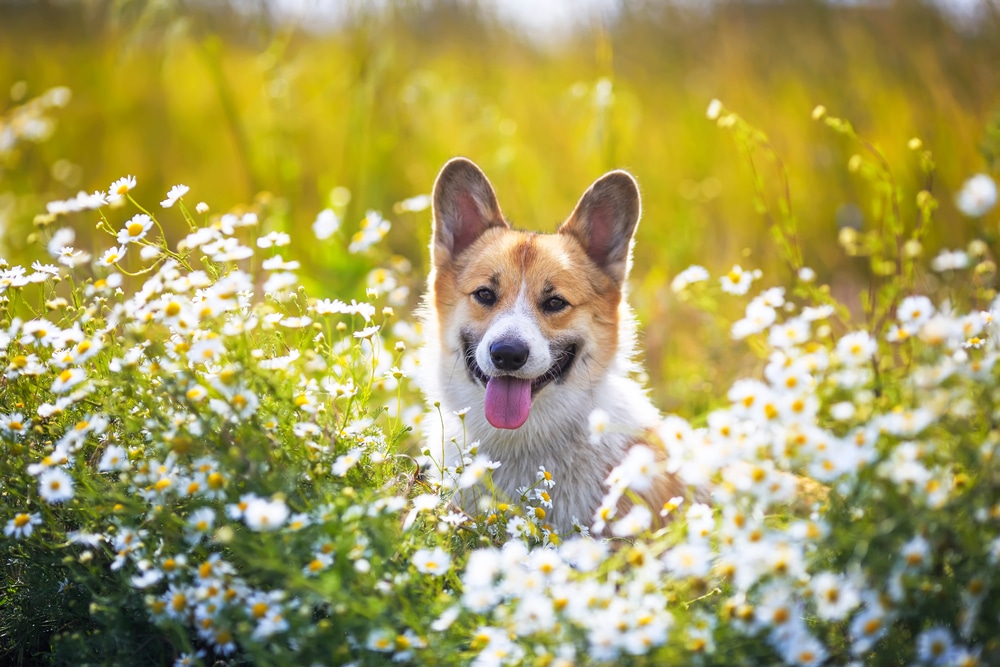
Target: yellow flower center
[[135, 228]]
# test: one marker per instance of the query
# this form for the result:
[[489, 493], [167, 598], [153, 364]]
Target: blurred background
[[286, 106]]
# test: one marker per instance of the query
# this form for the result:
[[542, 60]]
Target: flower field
[[212, 455]]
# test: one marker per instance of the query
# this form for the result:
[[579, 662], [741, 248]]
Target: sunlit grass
[[272, 125]]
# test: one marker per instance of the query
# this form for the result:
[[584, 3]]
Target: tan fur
[[557, 264]]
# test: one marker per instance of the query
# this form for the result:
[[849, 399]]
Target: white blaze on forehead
[[517, 323]]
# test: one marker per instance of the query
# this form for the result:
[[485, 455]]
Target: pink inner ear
[[470, 222], [600, 222]]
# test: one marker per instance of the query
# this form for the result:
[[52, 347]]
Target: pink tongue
[[508, 401]]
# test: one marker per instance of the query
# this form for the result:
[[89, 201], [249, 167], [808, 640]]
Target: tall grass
[[378, 103]]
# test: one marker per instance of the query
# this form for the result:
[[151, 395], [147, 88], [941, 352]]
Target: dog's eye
[[554, 304], [485, 296]]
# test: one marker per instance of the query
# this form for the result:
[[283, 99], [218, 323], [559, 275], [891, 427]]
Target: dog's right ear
[[464, 206]]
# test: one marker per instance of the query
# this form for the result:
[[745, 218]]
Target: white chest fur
[[556, 437]]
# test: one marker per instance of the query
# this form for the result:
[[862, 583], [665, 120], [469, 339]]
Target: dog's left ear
[[604, 221]]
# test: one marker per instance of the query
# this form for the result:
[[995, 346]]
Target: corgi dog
[[531, 333]]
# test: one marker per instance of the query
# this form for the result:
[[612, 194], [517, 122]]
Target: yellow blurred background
[[245, 107]]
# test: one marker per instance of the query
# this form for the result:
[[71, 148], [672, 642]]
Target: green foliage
[[206, 460]]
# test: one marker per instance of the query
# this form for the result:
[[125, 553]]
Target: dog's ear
[[465, 206], [604, 221]]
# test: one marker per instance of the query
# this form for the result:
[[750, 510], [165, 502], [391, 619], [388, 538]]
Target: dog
[[531, 333]]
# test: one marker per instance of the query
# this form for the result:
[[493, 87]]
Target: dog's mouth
[[508, 398]]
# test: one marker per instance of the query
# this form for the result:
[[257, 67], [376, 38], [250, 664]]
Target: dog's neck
[[556, 438]]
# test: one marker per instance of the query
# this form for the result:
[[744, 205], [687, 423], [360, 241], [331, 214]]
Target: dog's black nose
[[508, 355]]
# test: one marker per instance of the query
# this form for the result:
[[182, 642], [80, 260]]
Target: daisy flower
[[175, 193], [21, 525], [71, 257], [474, 471], [789, 334], [835, 596], [119, 188], [112, 256], [60, 239], [373, 229], [199, 523], [14, 423], [135, 229], [934, 646], [278, 263], [950, 260], [55, 485], [914, 311], [637, 471], [597, 423], [737, 281], [319, 563], [638, 519], [977, 196], [381, 640], [13, 277], [367, 332], [346, 461], [434, 562], [689, 559], [275, 239], [68, 379], [422, 503], [689, 276], [856, 348], [759, 316], [114, 458], [265, 515], [413, 204], [714, 110]]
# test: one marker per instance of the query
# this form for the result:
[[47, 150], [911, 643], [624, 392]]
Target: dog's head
[[523, 311]]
